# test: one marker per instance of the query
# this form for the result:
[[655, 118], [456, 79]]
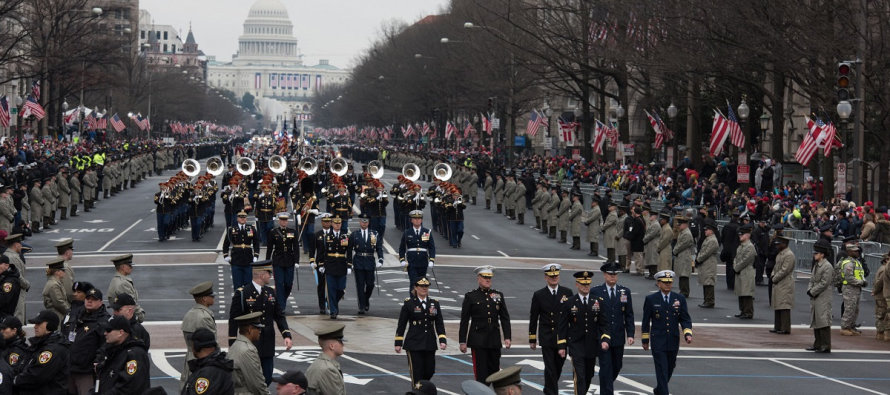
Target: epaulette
[[407, 299], [239, 289]]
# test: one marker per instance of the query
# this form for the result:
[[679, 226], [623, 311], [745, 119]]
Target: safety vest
[[858, 272], [98, 159]]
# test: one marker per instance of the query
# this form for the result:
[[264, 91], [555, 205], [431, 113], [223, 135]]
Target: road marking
[[159, 359], [502, 253], [221, 239], [119, 236], [388, 248], [826, 377], [382, 370], [524, 381], [475, 237]]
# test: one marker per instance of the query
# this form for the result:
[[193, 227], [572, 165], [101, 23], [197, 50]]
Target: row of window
[[143, 33], [268, 30]]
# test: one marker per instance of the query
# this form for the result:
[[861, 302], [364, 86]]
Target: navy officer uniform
[[336, 263], [365, 243], [664, 315], [252, 298], [243, 242], [417, 250], [487, 310], [543, 322], [422, 315], [584, 330], [620, 313], [284, 251], [317, 249]]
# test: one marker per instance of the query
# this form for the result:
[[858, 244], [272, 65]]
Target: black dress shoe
[[739, 315], [824, 351], [361, 312], [783, 332], [773, 331], [367, 308], [706, 306], [333, 316], [811, 348], [322, 312], [747, 317]]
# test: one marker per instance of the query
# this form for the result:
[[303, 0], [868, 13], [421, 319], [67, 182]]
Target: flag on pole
[[449, 130], [117, 124], [566, 131], [468, 129], [599, 137], [4, 112], [486, 124], [737, 137], [659, 134], [535, 121], [810, 143], [719, 133], [102, 122], [831, 139], [426, 129], [35, 90], [91, 122], [32, 107], [612, 134], [668, 133]]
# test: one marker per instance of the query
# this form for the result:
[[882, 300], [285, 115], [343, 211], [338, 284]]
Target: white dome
[[268, 36], [268, 9]]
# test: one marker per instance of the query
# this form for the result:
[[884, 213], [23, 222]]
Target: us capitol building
[[269, 66]]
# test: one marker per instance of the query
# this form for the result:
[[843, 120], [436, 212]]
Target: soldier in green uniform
[[122, 283], [707, 264], [198, 317], [683, 251], [782, 279], [482, 318], [506, 381], [324, 375], [54, 297], [424, 314], [743, 266], [248, 372], [65, 249]]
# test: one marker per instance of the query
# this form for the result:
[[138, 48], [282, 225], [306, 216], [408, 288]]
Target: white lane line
[[389, 249], [159, 359], [636, 384], [391, 373], [826, 377], [475, 237], [221, 239], [140, 265], [502, 253], [118, 236], [135, 252]]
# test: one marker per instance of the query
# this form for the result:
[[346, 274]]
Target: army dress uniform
[[54, 296], [324, 374], [284, 251], [247, 373], [743, 266], [683, 251], [426, 331], [199, 316], [244, 244], [336, 264], [620, 314], [417, 250], [583, 327], [542, 327], [664, 316], [123, 285], [340, 206], [265, 212], [317, 249], [482, 317]]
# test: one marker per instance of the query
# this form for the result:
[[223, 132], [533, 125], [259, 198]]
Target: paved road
[[165, 271]]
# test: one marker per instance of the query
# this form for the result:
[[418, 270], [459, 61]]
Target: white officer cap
[[485, 271], [665, 276], [282, 215], [323, 215], [552, 269]]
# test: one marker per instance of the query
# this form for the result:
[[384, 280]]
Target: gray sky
[[338, 30]]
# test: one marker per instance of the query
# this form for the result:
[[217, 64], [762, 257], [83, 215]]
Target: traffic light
[[844, 80]]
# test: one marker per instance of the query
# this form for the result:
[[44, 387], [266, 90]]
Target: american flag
[[668, 133], [566, 131], [599, 137], [486, 124], [117, 124], [468, 129], [410, 131], [4, 111], [535, 121], [35, 90], [612, 134], [831, 139], [91, 122], [719, 132], [659, 134], [735, 131], [426, 129], [810, 143], [32, 107], [102, 122], [449, 130]]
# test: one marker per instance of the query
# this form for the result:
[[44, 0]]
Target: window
[[174, 48], [142, 34], [165, 47], [165, 35], [158, 35]]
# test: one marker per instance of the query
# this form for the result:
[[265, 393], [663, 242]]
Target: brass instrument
[[308, 166], [375, 168], [339, 167], [245, 166], [215, 166], [411, 171], [191, 167], [442, 171], [277, 164]]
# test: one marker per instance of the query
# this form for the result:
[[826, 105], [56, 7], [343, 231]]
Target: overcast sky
[[338, 30]]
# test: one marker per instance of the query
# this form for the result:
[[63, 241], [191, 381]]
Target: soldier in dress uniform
[[374, 205], [211, 369], [45, 367], [610, 231], [620, 314], [664, 316], [165, 204], [259, 297], [284, 251], [247, 374], [706, 262], [506, 381], [65, 249], [245, 248], [683, 251], [583, 330], [340, 206], [122, 283], [317, 249], [417, 249], [335, 262], [199, 317], [325, 375], [425, 333], [483, 316], [820, 295], [265, 211], [782, 280], [364, 244], [54, 297], [743, 266], [666, 235], [542, 324]]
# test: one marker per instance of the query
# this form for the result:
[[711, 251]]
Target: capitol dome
[[268, 36]]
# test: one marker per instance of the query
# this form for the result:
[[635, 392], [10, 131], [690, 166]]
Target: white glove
[[404, 263], [314, 211], [255, 259], [228, 259], [348, 271], [380, 262], [313, 265], [321, 270], [431, 264]]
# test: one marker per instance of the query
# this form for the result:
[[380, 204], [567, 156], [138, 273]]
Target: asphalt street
[[164, 272]]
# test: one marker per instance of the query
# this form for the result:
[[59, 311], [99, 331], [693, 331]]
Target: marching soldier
[[325, 375], [374, 205], [335, 262], [211, 369], [683, 251], [417, 249], [45, 369], [265, 212], [482, 318], [425, 333], [257, 297], [543, 322], [318, 248], [820, 297], [340, 206], [284, 251], [364, 243], [305, 210], [665, 237], [584, 330], [13, 253], [610, 231], [575, 212], [245, 248], [65, 249], [743, 266], [247, 375], [707, 263], [782, 280], [165, 205], [593, 218], [853, 280], [121, 283], [199, 317], [124, 367], [54, 297], [454, 213], [620, 314], [663, 312]]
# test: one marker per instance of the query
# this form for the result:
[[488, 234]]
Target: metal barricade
[[801, 234], [873, 261], [803, 253]]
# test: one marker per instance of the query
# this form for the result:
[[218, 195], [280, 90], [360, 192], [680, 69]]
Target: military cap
[[416, 214], [14, 238], [364, 217], [94, 293], [422, 282], [264, 265], [336, 220], [64, 245], [325, 217], [852, 247], [712, 225], [664, 216], [123, 259], [665, 276], [49, 317], [202, 289], [851, 239], [584, 277], [242, 214], [82, 286], [330, 332], [681, 219], [250, 319], [779, 239], [473, 387], [56, 264], [746, 228], [118, 322], [423, 387], [822, 246], [485, 271], [646, 207], [825, 227], [10, 322], [552, 269], [203, 338], [504, 377], [292, 377], [610, 267], [613, 204], [122, 300], [283, 216]]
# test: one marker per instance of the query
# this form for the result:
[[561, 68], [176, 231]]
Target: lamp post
[[764, 126], [548, 112], [844, 110], [619, 113], [578, 112], [672, 116]]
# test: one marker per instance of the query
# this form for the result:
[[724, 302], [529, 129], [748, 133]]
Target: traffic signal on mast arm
[[844, 80]]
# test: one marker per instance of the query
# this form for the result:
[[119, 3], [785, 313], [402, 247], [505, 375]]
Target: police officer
[[853, 280], [14, 350], [284, 251], [325, 375], [45, 370], [258, 297], [122, 283], [198, 317], [291, 383], [10, 288], [245, 248], [211, 369], [124, 305], [124, 366], [483, 316], [317, 249], [663, 312], [85, 330], [542, 324], [14, 254], [335, 263], [54, 297], [620, 314], [364, 243], [743, 266], [247, 374], [584, 330], [417, 249], [425, 333]]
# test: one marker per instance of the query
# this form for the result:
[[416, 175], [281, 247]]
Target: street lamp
[[672, 111], [619, 111], [844, 111], [764, 126], [96, 11], [443, 40], [744, 111]]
